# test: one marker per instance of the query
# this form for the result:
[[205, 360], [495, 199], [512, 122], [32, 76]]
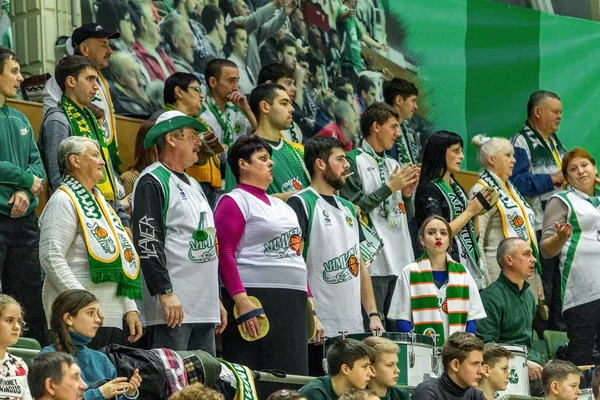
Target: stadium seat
[[554, 339], [27, 343]]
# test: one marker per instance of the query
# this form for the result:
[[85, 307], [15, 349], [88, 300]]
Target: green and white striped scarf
[[424, 299]]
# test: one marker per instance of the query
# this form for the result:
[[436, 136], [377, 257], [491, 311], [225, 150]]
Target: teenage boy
[[349, 365], [462, 358], [495, 370], [385, 368], [561, 380]]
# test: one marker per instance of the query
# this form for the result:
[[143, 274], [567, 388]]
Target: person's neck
[[502, 177], [221, 103], [438, 261], [150, 47], [377, 388], [322, 187], [377, 147], [2, 100], [267, 131], [171, 162], [447, 176], [590, 191], [186, 110], [520, 282], [2, 352], [85, 181], [400, 119], [240, 57], [533, 123], [256, 185], [457, 382], [214, 36], [488, 391], [69, 94], [340, 384]]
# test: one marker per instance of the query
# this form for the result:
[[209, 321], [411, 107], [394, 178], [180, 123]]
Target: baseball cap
[[91, 30]]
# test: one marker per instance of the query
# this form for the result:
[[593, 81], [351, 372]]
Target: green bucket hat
[[169, 121]]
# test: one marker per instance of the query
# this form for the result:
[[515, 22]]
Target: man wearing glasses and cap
[[92, 41], [174, 234]]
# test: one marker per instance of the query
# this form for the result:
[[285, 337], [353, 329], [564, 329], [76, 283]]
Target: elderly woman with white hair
[[511, 216], [83, 244]]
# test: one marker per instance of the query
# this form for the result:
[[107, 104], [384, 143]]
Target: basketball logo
[[349, 221], [402, 208], [297, 185], [295, 241], [128, 255], [445, 306], [101, 232], [429, 332], [353, 265], [237, 127]]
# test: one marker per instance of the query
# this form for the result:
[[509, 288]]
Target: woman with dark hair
[[260, 259], [436, 295], [439, 194], [117, 16], [143, 157], [74, 321]]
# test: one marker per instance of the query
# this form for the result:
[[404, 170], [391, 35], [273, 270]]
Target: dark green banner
[[480, 60]]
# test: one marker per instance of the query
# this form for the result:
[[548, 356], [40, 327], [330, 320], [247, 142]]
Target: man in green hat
[[174, 234]]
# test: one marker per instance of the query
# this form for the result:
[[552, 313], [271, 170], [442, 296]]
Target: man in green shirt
[[510, 305], [349, 366], [352, 35], [21, 183], [273, 109]]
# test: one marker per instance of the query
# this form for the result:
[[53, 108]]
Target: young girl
[[13, 370], [436, 295], [74, 322]]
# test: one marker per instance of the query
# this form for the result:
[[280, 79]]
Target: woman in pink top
[[260, 255]]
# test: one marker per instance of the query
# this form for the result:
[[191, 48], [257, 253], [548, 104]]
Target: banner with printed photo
[[480, 60]]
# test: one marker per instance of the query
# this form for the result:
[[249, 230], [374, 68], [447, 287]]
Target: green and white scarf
[[390, 207], [517, 215], [406, 145], [223, 121], [541, 151], [111, 254], [83, 123], [244, 377], [424, 298], [468, 249]]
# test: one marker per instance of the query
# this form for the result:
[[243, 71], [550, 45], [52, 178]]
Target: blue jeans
[[184, 337]]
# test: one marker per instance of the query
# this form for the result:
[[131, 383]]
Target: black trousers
[[551, 281], [20, 270], [583, 329]]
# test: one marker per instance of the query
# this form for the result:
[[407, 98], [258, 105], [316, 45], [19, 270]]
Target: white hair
[[73, 145], [489, 147]]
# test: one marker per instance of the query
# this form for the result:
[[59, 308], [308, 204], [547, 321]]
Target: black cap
[[92, 30]]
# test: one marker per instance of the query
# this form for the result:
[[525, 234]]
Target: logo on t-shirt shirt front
[[327, 219], [284, 245], [203, 251], [342, 268], [291, 185]]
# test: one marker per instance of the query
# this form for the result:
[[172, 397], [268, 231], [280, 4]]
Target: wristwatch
[[375, 314], [166, 291]]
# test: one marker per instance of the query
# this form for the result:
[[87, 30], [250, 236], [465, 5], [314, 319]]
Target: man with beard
[[273, 109], [382, 188], [337, 276]]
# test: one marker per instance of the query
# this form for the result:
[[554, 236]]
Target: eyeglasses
[[196, 88]]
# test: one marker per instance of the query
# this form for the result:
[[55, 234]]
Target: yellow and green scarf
[[111, 254], [83, 123]]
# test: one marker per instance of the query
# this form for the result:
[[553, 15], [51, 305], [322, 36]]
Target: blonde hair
[[197, 391], [488, 147], [379, 346]]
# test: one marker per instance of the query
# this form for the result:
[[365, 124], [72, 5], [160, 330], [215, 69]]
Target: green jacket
[[510, 314], [20, 158]]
